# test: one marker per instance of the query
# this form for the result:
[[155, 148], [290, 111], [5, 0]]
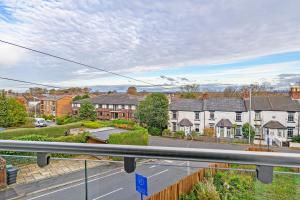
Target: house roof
[[224, 104], [103, 134], [186, 104], [273, 103], [114, 99], [52, 97], [185, 122], [224, 123], [274, 125]]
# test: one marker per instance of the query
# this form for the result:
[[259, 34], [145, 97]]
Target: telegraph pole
[[250, 104]]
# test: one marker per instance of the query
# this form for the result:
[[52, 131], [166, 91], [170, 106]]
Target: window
[[123, 114], [197, 129], [228, 132], [100, 113], [238, 130], [123, 106], [257, 115], [197, 117], [211, 125], [291, 116], [173, 126], [100, 105], [174, 115], [130, 107], [211, 115], [238, 117], [290, 132], [107, 106]]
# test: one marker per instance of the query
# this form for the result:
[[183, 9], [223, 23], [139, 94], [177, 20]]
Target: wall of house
[[64, 106], [280, 116], [188, 115]]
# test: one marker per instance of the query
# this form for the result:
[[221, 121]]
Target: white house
[[276, 119]]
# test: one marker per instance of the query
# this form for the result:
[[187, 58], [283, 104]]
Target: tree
[[190, 91], [132, 90], [87, 111], [153, 111], [12, 113], [230, 91], [245, 130]]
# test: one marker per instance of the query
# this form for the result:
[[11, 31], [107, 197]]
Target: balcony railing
[[185, 161]]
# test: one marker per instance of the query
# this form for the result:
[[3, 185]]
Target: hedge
[[51, 131], [135, 137]]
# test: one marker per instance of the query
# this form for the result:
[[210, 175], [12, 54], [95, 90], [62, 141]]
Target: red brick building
[[56, 105], [111, 106]]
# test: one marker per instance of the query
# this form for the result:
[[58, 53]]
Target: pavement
[[106, 182], [173, 142]]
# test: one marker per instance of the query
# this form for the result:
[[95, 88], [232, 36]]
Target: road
[[172, 142], [109, 183]]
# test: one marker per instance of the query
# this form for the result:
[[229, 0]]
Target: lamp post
[[250, 115]]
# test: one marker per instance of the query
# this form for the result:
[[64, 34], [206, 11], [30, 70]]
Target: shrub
[[167, 132], [124, 126], [194, 134], [296, 139], [123, 121], [48, 117], [154, 131], [209, 132], [66, 120], [203, 190], [179, 134], [29, 123], [135, 137], [91, 124]]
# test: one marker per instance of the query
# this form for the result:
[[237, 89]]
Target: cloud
[[132, 37]]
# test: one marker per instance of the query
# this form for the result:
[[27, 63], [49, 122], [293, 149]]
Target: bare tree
[[230, 91]]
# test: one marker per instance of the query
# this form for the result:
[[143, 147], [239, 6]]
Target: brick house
[[56, 105], [111, 106]]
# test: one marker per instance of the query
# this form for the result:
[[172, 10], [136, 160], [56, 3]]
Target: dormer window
[[257, 115], [238, 117], [174, 115], [211, 114]]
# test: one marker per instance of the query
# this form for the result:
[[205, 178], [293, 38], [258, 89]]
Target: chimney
[[205, 95], [295, 92], [246, 94]]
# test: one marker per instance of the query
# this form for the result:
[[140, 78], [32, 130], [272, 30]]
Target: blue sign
[[141, 184]]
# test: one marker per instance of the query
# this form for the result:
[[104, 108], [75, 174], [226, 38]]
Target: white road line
[[66, 188], [108, 193], [158, 173], [153, 166]]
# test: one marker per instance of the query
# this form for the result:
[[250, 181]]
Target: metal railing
[[265, 161]]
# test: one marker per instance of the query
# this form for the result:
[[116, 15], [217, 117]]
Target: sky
[[171, 43]]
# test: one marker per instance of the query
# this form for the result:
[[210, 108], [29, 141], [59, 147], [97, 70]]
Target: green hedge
[[296, 139], [135, 137], [51, 131]]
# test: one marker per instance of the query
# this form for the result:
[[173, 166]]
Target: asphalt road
[[110, 183], [172, 142]]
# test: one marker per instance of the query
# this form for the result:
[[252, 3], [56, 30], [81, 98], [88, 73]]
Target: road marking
[[104, 195], [158, 173], [153, 166], [66, 188]]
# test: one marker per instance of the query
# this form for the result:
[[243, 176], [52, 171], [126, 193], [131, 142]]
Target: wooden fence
[[186, 184], [2, 173]]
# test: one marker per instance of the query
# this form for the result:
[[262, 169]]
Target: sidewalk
[[31, 173]]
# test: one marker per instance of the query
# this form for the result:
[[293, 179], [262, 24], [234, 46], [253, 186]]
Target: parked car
[[40, 122]]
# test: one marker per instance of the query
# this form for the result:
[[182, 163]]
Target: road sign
[[141, 184]]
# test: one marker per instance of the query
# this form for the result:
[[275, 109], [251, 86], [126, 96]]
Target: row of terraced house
[[274, 118]]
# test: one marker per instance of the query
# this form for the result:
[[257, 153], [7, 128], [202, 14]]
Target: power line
[[28, 82], [76, 62]]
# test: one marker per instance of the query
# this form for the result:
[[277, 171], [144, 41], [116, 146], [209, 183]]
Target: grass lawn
[[284, 186], [52, 131]]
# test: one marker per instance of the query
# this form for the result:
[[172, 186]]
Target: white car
[[40, 122]]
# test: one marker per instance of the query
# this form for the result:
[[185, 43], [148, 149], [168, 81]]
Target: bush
[[48, 117], [90, 124], [135, 137], [179, 134], [29, 123], [166, 132], [210, 132], [154, 131], [123, 121], [296, 139], [194, 134], [66, 120], [203, 190]]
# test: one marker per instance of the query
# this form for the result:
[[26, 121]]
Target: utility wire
[[76, 62], [28, 82]]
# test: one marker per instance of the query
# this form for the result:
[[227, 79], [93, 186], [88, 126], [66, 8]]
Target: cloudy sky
[[161, 42]]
